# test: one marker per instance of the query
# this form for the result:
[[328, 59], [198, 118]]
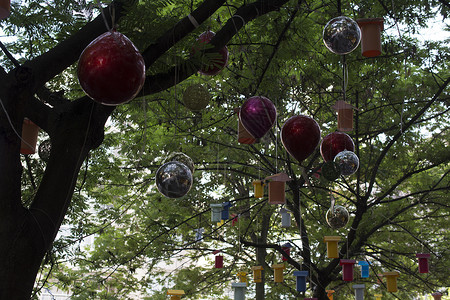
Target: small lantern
[[258, 186], [344, 115], [437, 295], [235, 219], [378, 296], [244, 137], [257, 273], [370, 36], [220, 223], [278, 272], [239, 290], [391, 281], [30, 133], [242, 276], [199, 234], [364, 268], [277, 184], [301, 280], [225, 214], [285, 218], [347, 269], [359, 291], [332, 246], [5, 9], [216, 212], [175, 294], [423, 262], [218, 260], [286, 248], [330, 294]]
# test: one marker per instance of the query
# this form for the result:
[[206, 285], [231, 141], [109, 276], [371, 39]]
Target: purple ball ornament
[[258, 115], [300, 135]]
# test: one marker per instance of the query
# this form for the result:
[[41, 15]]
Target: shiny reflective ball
[[44, 150], [111, 70], [348, 162], [330, 170], [337, 217], [212, 62], [182, 158], [174, 179], [341, 35], [196, 97]]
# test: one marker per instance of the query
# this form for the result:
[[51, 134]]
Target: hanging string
[[344, 77], [112, 14]]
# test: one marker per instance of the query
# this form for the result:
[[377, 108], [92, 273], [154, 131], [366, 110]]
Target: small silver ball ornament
[[348, 162], [174, 179], [337, 217], [341, 35]]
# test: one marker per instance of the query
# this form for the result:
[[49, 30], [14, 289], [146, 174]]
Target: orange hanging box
[[277, 185], [244, 137], [344, 115], [371, 36], [30, 133]]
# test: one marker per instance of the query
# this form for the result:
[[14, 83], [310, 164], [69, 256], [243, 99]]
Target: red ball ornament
[[300, 135], [334, 143], [111, 70], [212, 62]]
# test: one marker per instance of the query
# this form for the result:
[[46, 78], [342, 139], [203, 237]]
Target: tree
[[279, 55]]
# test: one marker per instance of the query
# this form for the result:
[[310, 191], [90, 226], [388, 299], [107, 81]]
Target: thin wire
[[12, 126]]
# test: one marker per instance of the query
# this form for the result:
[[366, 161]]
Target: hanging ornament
[[348, 162], [5, 9], [335, 142], [364, 268], [337, 216], [257, 273], [225, 214], [330, 170], [341, 35], [258, 186], [300, 282], [216, 212], [332, 246], [300, 135], [242, 276], [437, 296], [287, 249], [278, 272], [111, 70], [196, 97], [212, 62], [174, 179], [239, 290], [199, 234], [391, 281], [347, 269], [370, 36], [277, 184], [258, 115], [359, 291], [378, 296], [285, 218], [423, 262], [344, 115], [30, 132], [182, 158], [44, 150], [175, 294], [218, 259], [244, 137]]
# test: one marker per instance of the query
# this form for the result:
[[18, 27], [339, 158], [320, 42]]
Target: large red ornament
[[111, 70], [212, 62], [334, 143], [300, 136], [257, 115]]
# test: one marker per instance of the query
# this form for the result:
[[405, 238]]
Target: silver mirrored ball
[[348, 162], [341, 35], [174, 179], [338, 217]]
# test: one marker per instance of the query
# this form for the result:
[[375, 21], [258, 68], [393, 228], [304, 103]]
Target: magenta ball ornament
[[348, 162], [257, 115], [334, 143], [212, 62], [173, 179], [111, 70], [341, 35], [300, 135]]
